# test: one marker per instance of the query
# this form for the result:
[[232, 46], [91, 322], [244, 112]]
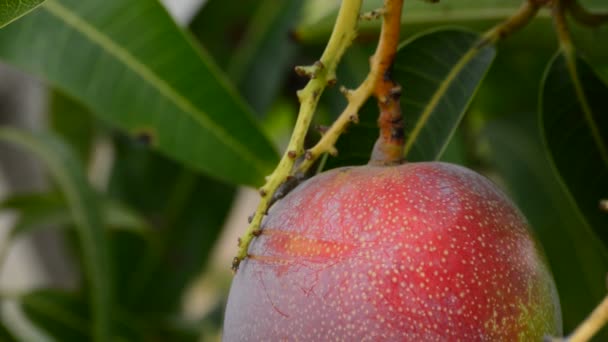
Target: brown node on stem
[[236, 261], [322, 129]]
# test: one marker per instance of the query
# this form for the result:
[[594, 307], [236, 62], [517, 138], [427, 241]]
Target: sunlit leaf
[[11, 10], [129, 63]]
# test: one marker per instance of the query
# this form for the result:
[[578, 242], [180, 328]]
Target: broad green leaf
[[65, 316], [64, 168], [11, 10], [38, 210], [439, 72], [130, 64], [187, 211], [574, 104], [577, 257]]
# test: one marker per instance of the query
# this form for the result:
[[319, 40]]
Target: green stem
[[322, 73], [526, 12]]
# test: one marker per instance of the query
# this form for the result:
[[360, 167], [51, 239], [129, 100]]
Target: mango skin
[[417, 252]]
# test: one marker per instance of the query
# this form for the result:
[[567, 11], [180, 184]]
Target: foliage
[[189, 115]]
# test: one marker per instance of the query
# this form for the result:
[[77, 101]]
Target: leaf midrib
[[434, 101], [139, 68], [571, 62]]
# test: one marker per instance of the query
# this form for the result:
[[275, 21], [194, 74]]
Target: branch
[[526, 12], [321, 73], [581, 15], [380, 64]]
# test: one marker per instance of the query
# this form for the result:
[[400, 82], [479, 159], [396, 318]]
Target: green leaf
[[220, 27], [11, 10], [577, 257], [187, 211], [260, 65], [65, 316], [84, 207], [73, 122], [5, 334], [38, 210], [259, 49], [130, 64], [575, 130], [440, 72]]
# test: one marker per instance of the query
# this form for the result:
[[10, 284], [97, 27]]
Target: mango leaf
[[73, 122], [439, 72], [221, 18], [86, 213], [11, 10], [38, 210], [65, 316], [187, 211], [5, 334], [130, 64], [257, 56], [262, 62], [575, 131], [577, 257]]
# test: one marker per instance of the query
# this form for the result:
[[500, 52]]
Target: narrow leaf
[[65, 316], [38, 210], [440, 73], [129, 63], [575, 130], [86, 213], [261, 63], [258, 48], [187, 211], [11, 10]]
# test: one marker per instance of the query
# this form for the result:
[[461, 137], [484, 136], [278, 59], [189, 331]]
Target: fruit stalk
[[388, 149], [321, 73], [374, 83]]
